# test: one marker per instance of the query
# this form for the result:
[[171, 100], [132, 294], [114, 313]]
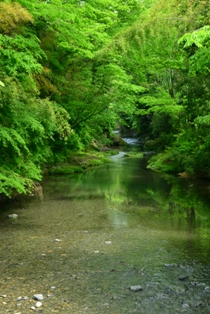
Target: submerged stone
[[183, 277], [171, 265], [38, 304], [38, 297], [13, 216], [136, 288]]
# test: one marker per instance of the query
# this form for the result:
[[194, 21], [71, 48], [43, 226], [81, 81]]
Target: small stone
[[96, 252], [180, 289], [13, 216], [108, 242], [171, 265], [19, 304], [200, 284], [43, 255], [136, 288], [3, 295], [115, 297], [4, 303], [185, 306], [33, 308], [25, 298], [38, 297], [38, 304], [19, 298], [53, 288], [183, 277], [57, 240], [74, 276]]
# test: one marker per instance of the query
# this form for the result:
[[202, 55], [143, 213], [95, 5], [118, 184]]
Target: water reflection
[[135, 197], [118, 225]]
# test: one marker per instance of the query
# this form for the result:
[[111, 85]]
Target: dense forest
[[72, 71]]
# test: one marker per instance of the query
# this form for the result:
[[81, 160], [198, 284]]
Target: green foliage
[[164, 162], [198, 38], [27, 126], [169, 56], [19, 54], [13, 16], [98, 162], [71, 71], [134, 155], [64, 170]]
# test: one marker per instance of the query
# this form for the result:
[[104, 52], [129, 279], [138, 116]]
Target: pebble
[[13, 216], [115, 297], [57, 240], [74, 276], [53, 288], [19, 298], [108, 242], [136, 288], [38, 297], [171, 265], [183, 277], [38, 304], [185, 306], [33, 308], [180, 289], [43, 255]]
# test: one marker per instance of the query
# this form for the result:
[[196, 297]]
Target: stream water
[[115, 239]]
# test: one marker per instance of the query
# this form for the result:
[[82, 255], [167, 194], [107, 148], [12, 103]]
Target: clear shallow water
[[118, 226]]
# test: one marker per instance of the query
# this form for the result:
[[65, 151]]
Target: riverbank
[[78, 162]]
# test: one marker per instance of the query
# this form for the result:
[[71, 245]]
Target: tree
[[53, 78], [27, 122]]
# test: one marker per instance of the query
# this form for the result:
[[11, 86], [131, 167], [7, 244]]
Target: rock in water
[[136, 288], [38, 304], [38, 297], [13, 216]]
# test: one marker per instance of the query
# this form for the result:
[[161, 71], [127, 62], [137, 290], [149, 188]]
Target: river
[[115, 239]]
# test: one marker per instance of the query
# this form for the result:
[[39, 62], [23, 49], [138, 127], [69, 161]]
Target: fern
[[10, 137]]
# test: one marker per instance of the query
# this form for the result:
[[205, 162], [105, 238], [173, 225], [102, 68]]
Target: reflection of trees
[[135, 197], [181, 215], [191, 218], [128, 187]]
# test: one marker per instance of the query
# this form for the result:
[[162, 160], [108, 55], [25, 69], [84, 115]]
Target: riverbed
[[115, 239]]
